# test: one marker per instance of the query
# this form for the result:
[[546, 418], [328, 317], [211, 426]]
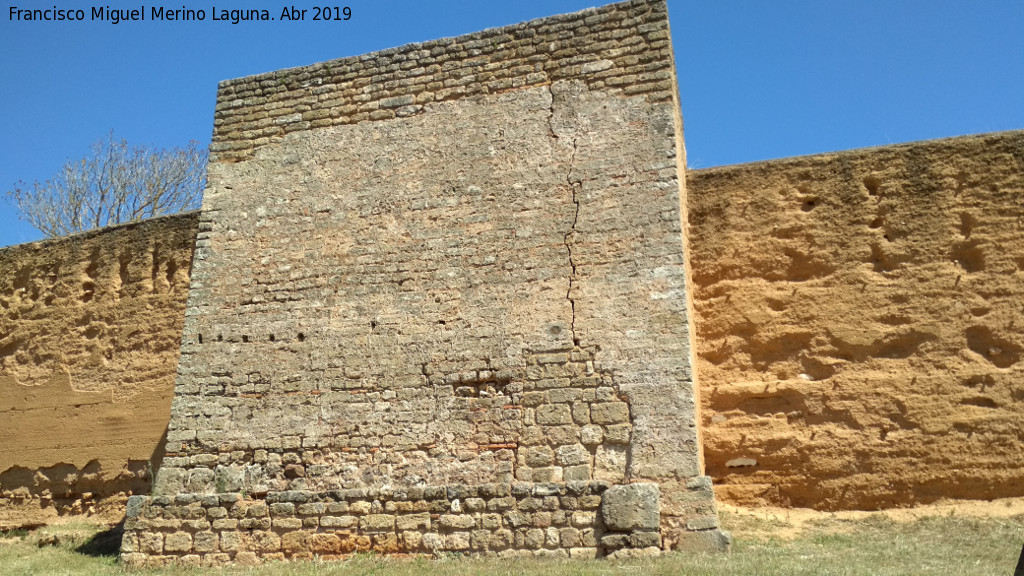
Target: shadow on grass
[[106, 543]]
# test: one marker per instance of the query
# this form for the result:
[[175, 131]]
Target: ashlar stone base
[[568, 520]]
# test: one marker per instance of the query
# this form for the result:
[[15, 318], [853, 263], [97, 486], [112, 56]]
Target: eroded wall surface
[[445, 271], [90, 330], [859, 319]]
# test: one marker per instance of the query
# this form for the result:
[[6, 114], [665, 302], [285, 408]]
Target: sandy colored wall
[[90, 328], [860, 319]]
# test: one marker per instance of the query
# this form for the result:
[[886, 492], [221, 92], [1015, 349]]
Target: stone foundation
[[567, 520]]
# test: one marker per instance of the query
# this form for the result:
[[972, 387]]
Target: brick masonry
[[474, 277]]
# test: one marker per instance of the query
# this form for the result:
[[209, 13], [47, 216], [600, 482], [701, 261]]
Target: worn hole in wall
[[172, 269], [872, 184], [980, 401], [88, 291], [967, 224], [999, 351], [969, 256]]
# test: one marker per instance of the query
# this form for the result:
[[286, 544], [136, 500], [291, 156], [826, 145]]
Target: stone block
[[410, 540], [377, 523], [552, 537], [539, 456], [457, 521], [343, 522], [135, 505], [216, 560], [582, 519], [576, 473], [205, 542], [295, 543], [130, 543], [572, 455], [581, 413], [534, 538], [224, 524], [230, 541], [591, 435], [610, 463], [178, 542], [700, 541], [702, 523], [457, 541], [630, 507], [480, 540], [618, 434], [312, 509], [285, 509], [433, 541], [501, 504], [413, 522], [569, 538], [583, 553], [634, 553], [287, 523], [385, 543], [324, 544], [553, 414], [264, 542], [609, 413], [645, 539]]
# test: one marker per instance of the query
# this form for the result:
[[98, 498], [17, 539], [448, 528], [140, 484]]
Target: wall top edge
[[968, 139], [167, 219], [489, 33]]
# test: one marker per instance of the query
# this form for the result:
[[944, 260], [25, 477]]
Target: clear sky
[[758, 79]]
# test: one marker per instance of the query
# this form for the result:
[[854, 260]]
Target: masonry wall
[[859, 324], [456, 263], [90, 328]]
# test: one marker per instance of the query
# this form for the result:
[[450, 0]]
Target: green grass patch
[[875, 546]]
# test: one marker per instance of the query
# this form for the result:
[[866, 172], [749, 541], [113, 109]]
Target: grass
[[875, 545]]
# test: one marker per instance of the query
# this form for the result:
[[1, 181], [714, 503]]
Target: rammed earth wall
[[859, 324], [90, 329], [424, 271]]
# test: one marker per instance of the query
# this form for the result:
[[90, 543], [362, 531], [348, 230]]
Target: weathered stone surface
[[630, 507], [429, 295], [458, 305]]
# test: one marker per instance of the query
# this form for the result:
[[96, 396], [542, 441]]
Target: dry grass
[[820, 544]]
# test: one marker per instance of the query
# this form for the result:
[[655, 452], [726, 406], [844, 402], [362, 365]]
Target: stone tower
[[439, 304]]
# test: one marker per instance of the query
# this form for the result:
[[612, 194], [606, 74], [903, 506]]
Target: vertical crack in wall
[[576, 187]]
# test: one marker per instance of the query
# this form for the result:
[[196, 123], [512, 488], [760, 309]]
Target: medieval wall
[[435, 268], [859, 319], [90, 329]]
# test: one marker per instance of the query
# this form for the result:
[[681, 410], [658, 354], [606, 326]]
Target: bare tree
[[115, 183]]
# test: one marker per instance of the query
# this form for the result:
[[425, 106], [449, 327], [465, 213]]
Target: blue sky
[[758, 79]]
